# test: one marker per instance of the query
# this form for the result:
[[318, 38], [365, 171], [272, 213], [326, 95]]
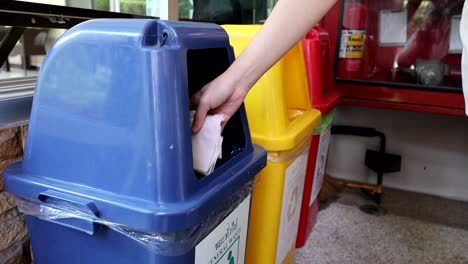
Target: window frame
[[16, 94]]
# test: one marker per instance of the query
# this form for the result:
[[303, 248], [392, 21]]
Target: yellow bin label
[[352, 44]]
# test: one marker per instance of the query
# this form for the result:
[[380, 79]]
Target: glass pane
[[186, 9], [136, 7], [224, 11], [26, 57], [28, 54], [412, 42]]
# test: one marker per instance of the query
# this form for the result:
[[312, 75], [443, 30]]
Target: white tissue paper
[[207, 144]]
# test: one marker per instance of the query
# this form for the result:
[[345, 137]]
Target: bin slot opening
[[204, 65]]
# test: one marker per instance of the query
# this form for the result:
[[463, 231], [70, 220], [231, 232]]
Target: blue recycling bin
[[107, 174]]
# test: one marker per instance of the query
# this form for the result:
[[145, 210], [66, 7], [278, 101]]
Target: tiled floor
[[417, 229]]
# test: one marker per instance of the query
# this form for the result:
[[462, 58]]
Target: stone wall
[[14, 243]]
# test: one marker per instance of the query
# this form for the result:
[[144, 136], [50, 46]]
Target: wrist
[[244, 74]]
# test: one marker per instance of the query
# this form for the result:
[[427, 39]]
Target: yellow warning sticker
[[352, 44]]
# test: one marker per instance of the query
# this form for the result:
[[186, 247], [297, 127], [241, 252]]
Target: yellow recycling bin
[[281, 120]]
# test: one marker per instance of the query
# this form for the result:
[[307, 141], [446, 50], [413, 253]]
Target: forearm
[[287, 24]]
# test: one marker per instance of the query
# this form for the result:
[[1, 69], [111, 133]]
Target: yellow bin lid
[[278, 106]]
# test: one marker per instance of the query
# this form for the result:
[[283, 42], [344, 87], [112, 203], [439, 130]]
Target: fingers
[[195, 99], [200, 115]]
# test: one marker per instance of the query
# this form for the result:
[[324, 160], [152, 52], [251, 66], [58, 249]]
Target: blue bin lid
[[110, 124]]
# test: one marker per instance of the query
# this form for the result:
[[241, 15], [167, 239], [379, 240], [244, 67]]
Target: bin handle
[[85, 206]]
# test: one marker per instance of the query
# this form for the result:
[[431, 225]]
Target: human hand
[[224, 95]]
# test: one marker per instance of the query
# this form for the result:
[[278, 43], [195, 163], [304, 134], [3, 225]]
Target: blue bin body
[[110, 135]]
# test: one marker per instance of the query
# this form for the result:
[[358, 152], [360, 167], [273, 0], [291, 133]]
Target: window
[[29, 52], [410, 43], [226, 11], [21, 33]]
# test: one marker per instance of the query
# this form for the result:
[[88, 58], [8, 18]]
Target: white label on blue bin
[[226, 244], [320, 163], [291, 206]]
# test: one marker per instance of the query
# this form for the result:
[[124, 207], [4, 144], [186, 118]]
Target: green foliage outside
[[102, 5], [137, 7], [185, 6]]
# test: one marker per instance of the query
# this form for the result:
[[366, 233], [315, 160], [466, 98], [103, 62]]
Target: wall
[[434, 150]]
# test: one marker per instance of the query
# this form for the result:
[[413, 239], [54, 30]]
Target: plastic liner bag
[[325, 123], [285, 156], [165, 244]]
